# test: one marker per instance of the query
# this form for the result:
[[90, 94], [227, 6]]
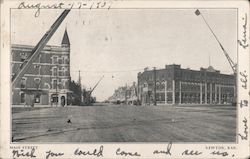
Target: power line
[[113, 71]]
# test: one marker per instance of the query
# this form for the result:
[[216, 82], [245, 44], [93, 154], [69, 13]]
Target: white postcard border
[[233, 150]]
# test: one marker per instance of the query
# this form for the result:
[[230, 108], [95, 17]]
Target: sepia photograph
[[123, 75], [117, 79]]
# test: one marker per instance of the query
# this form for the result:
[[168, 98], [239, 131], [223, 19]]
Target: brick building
[[46, 82], [125, 94], [175, 85]]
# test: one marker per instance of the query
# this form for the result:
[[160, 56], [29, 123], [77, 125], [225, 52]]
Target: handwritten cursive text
[[53, 154], [243, 79], [39, 6], [245, 136], [191, 152], [219, 153], [243, 103], [22, 153], [167, 152], [243, 42], [124, 153], [95, 152]]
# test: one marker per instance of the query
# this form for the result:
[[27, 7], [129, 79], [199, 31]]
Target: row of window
[[62, 60], [55, 59], [59, 85], [24, 81], [55, 71], [36, 97], [55, 83]]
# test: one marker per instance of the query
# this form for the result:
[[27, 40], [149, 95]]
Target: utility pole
[[126, 100], [80, 85], [79, 78], [57, 84], [155, 86]]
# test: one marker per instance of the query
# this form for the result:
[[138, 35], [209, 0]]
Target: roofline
[[163, 69]]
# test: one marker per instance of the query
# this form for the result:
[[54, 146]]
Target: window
[[54, 86], [60, 61], [54, 71], [22, 95], [163, 85], [23, 82], [64, 71], [65, 60], [157, 85], [37, 98], [63, 84], [38, 68], [23, 56], [40, 58], [54, 60], [54, 98], [37, 82], [66, 84]]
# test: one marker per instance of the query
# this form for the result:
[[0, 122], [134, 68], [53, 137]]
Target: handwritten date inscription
[[39, 6], [79, 5]]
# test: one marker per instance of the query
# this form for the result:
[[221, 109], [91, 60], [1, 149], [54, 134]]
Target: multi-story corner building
[[46, 82], [175, 85]]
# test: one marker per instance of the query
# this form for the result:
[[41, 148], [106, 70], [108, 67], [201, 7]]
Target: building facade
[[125, 94], [46, 82], [175, 85]]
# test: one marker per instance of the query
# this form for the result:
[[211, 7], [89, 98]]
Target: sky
[[119, 43]]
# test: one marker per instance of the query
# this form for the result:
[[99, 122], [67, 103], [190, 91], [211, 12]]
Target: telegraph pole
[[79, 78], [57, 96], [80, 84], [155, 86]]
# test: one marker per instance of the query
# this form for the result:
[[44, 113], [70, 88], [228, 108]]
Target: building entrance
[[63, 101]]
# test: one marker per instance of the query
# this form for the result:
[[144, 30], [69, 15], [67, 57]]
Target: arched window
[[163, 85], [37, 98], [23, 82], [54, 71], [54, 84], [23, 56], [37, 82], [158, 85], [22, 96]]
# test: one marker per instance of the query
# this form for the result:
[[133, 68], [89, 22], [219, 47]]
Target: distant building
[[175, 85], [46, 82], [125, 94]]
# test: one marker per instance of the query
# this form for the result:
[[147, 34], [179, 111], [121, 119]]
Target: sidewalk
[[28, 106]]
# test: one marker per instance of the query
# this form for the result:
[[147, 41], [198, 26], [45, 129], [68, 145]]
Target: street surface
[[123, 123]]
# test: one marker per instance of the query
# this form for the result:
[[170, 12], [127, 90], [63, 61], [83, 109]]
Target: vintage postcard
[[124, 79]]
